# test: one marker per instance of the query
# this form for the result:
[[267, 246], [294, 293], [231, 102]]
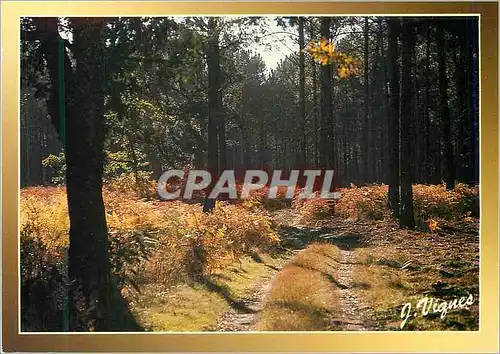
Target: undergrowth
[[312, 208], [166, 243], [431, 203], [150, 242]]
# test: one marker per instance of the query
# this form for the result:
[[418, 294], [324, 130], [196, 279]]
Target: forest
[[391, 104]]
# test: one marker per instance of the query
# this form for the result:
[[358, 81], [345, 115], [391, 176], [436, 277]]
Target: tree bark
[[365, 143], [213, 64], [88, 250], [472, 55], [314, 73], [385, 102], [406, 219], [88, 264], [449, 164], [326, 104], [460, 87], [426, 113], [302, 99], [393, 68]]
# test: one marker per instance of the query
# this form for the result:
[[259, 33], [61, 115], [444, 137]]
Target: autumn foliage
[[431, 202], [313, 208], [367, 202], [435, 201], [168, 242], [150, 241], [325, 53]]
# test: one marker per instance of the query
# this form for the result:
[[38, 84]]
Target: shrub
[[198, 243], [139, 184], [367, 202], [429, 202], [150, 241], [58, 165], [260, 198], [43, 243], [313, 208], [434, 201]]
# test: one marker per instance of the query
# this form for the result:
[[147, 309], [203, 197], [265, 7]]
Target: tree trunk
[[377, 109], [406, 219], [315, 102], [221, 126], [387, 119], [393, 68], [449, 164], [302, 98], [426, 113], [460, 87], [471, 45], [326, 104], [222, 139], [475, 99], [366, 162], [262, 142], [384, 145], [88, 265], [213, 63], [94, 302], [417, 126], [88, 249]]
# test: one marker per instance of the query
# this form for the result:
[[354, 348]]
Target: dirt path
[[350, 304], [296, 236], [352, 308], [245, 318]]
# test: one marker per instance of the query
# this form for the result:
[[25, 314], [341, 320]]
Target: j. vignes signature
[[430, 305]]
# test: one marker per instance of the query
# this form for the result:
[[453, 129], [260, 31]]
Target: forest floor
[[254, 269], [337, 274], [378, 269]]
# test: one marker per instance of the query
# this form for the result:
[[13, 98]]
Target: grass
[[198, 306], [302, 297]]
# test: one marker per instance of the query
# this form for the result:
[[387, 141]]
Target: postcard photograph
[[249, 173]]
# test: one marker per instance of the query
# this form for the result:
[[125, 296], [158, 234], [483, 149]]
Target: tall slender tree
[[314, 89], [366, 114], [427, 99], [326, 103], [406, 219], [393, 68], [302, 96], [215, 124], [444, 112]]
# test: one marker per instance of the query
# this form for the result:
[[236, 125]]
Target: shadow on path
[[225, 293], [297, 237]]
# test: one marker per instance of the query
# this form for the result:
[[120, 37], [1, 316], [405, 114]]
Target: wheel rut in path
[[245, 317], [350, 305]]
